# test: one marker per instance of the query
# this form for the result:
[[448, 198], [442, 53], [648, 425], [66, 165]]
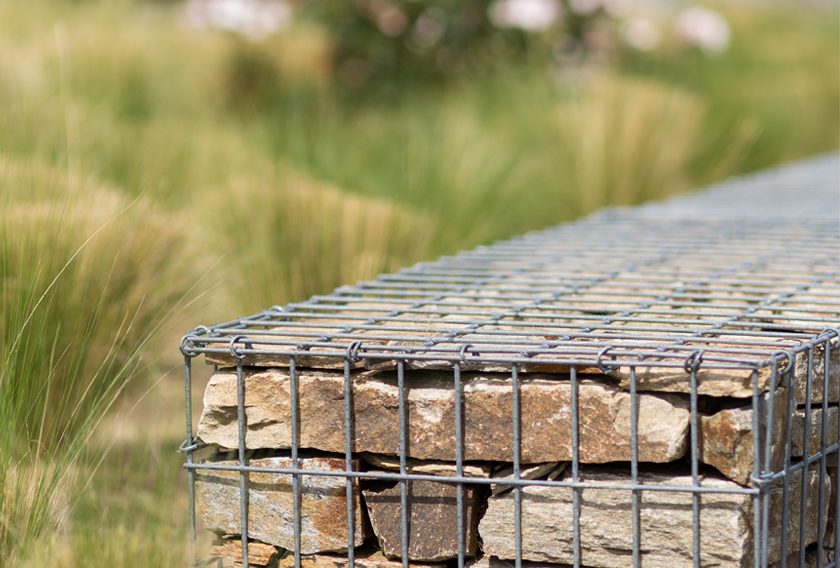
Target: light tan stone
[[259, 554], [726, 437], [666, 523], [487, 561], [363, 558], [815, 430], [818, 375], [726, 440], [420, 467], [738, 383], [323, 504], [526, 472], [604, 412]]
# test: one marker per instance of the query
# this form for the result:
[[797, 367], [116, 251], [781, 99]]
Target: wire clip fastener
[[790, 355], [600, 363], [352, 353], [236, 352], [191, 445], [692, 361], [466, 348]]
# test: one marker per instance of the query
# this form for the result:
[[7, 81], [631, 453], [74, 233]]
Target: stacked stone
[[725, 450]]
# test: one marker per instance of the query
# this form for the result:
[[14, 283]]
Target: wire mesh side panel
[[727, 327], [768, 482]]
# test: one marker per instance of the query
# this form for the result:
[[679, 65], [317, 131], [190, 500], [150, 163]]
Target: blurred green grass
[[239, 177]]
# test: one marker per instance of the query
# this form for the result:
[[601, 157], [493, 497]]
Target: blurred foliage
[[779, 82], [412, 41]]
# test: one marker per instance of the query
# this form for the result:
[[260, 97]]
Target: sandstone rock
[[323, 505], [526, 472], [793, 561], [545, 409], [815, 430], [540, 364], [493, 562], [818, 375], [795, 499], [738, 383], [432, 518], [420, 467], [711, 382], [259, 554], [364, 558], [666, 523], [726, 438], [311, 360]]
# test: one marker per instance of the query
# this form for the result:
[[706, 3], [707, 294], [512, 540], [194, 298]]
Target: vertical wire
[[575, 469], [348, 464], [770, 405], [517, 490], [806, 454], [760, 540], [243, 475], [634, 467], [404, 512], [823, 459], [296, 528], [459, 462], [190, 471], [836, 480], [791, 409], [695, 467]]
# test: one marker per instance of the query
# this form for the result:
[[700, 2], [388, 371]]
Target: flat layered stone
[[814, 430], [545, 403], [539, 364], [818, 375], [493, 562], [432, 518], [537, 471], [323, 504], [259, 554], [726, 437], [726, 441], [310, 360], [363, 558], [666, 519], [738, 383], [421, 467]]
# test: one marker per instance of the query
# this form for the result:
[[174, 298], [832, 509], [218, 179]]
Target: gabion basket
[[649, 386]]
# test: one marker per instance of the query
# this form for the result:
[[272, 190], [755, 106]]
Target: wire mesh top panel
[[729, 279]]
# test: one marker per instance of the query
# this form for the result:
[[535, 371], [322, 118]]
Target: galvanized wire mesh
[[742, 279]]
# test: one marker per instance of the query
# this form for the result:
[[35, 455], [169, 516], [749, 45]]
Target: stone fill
[[364, 558], [259, 554], [432, 518], [666, 523], [323, 505], [604, 412]]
